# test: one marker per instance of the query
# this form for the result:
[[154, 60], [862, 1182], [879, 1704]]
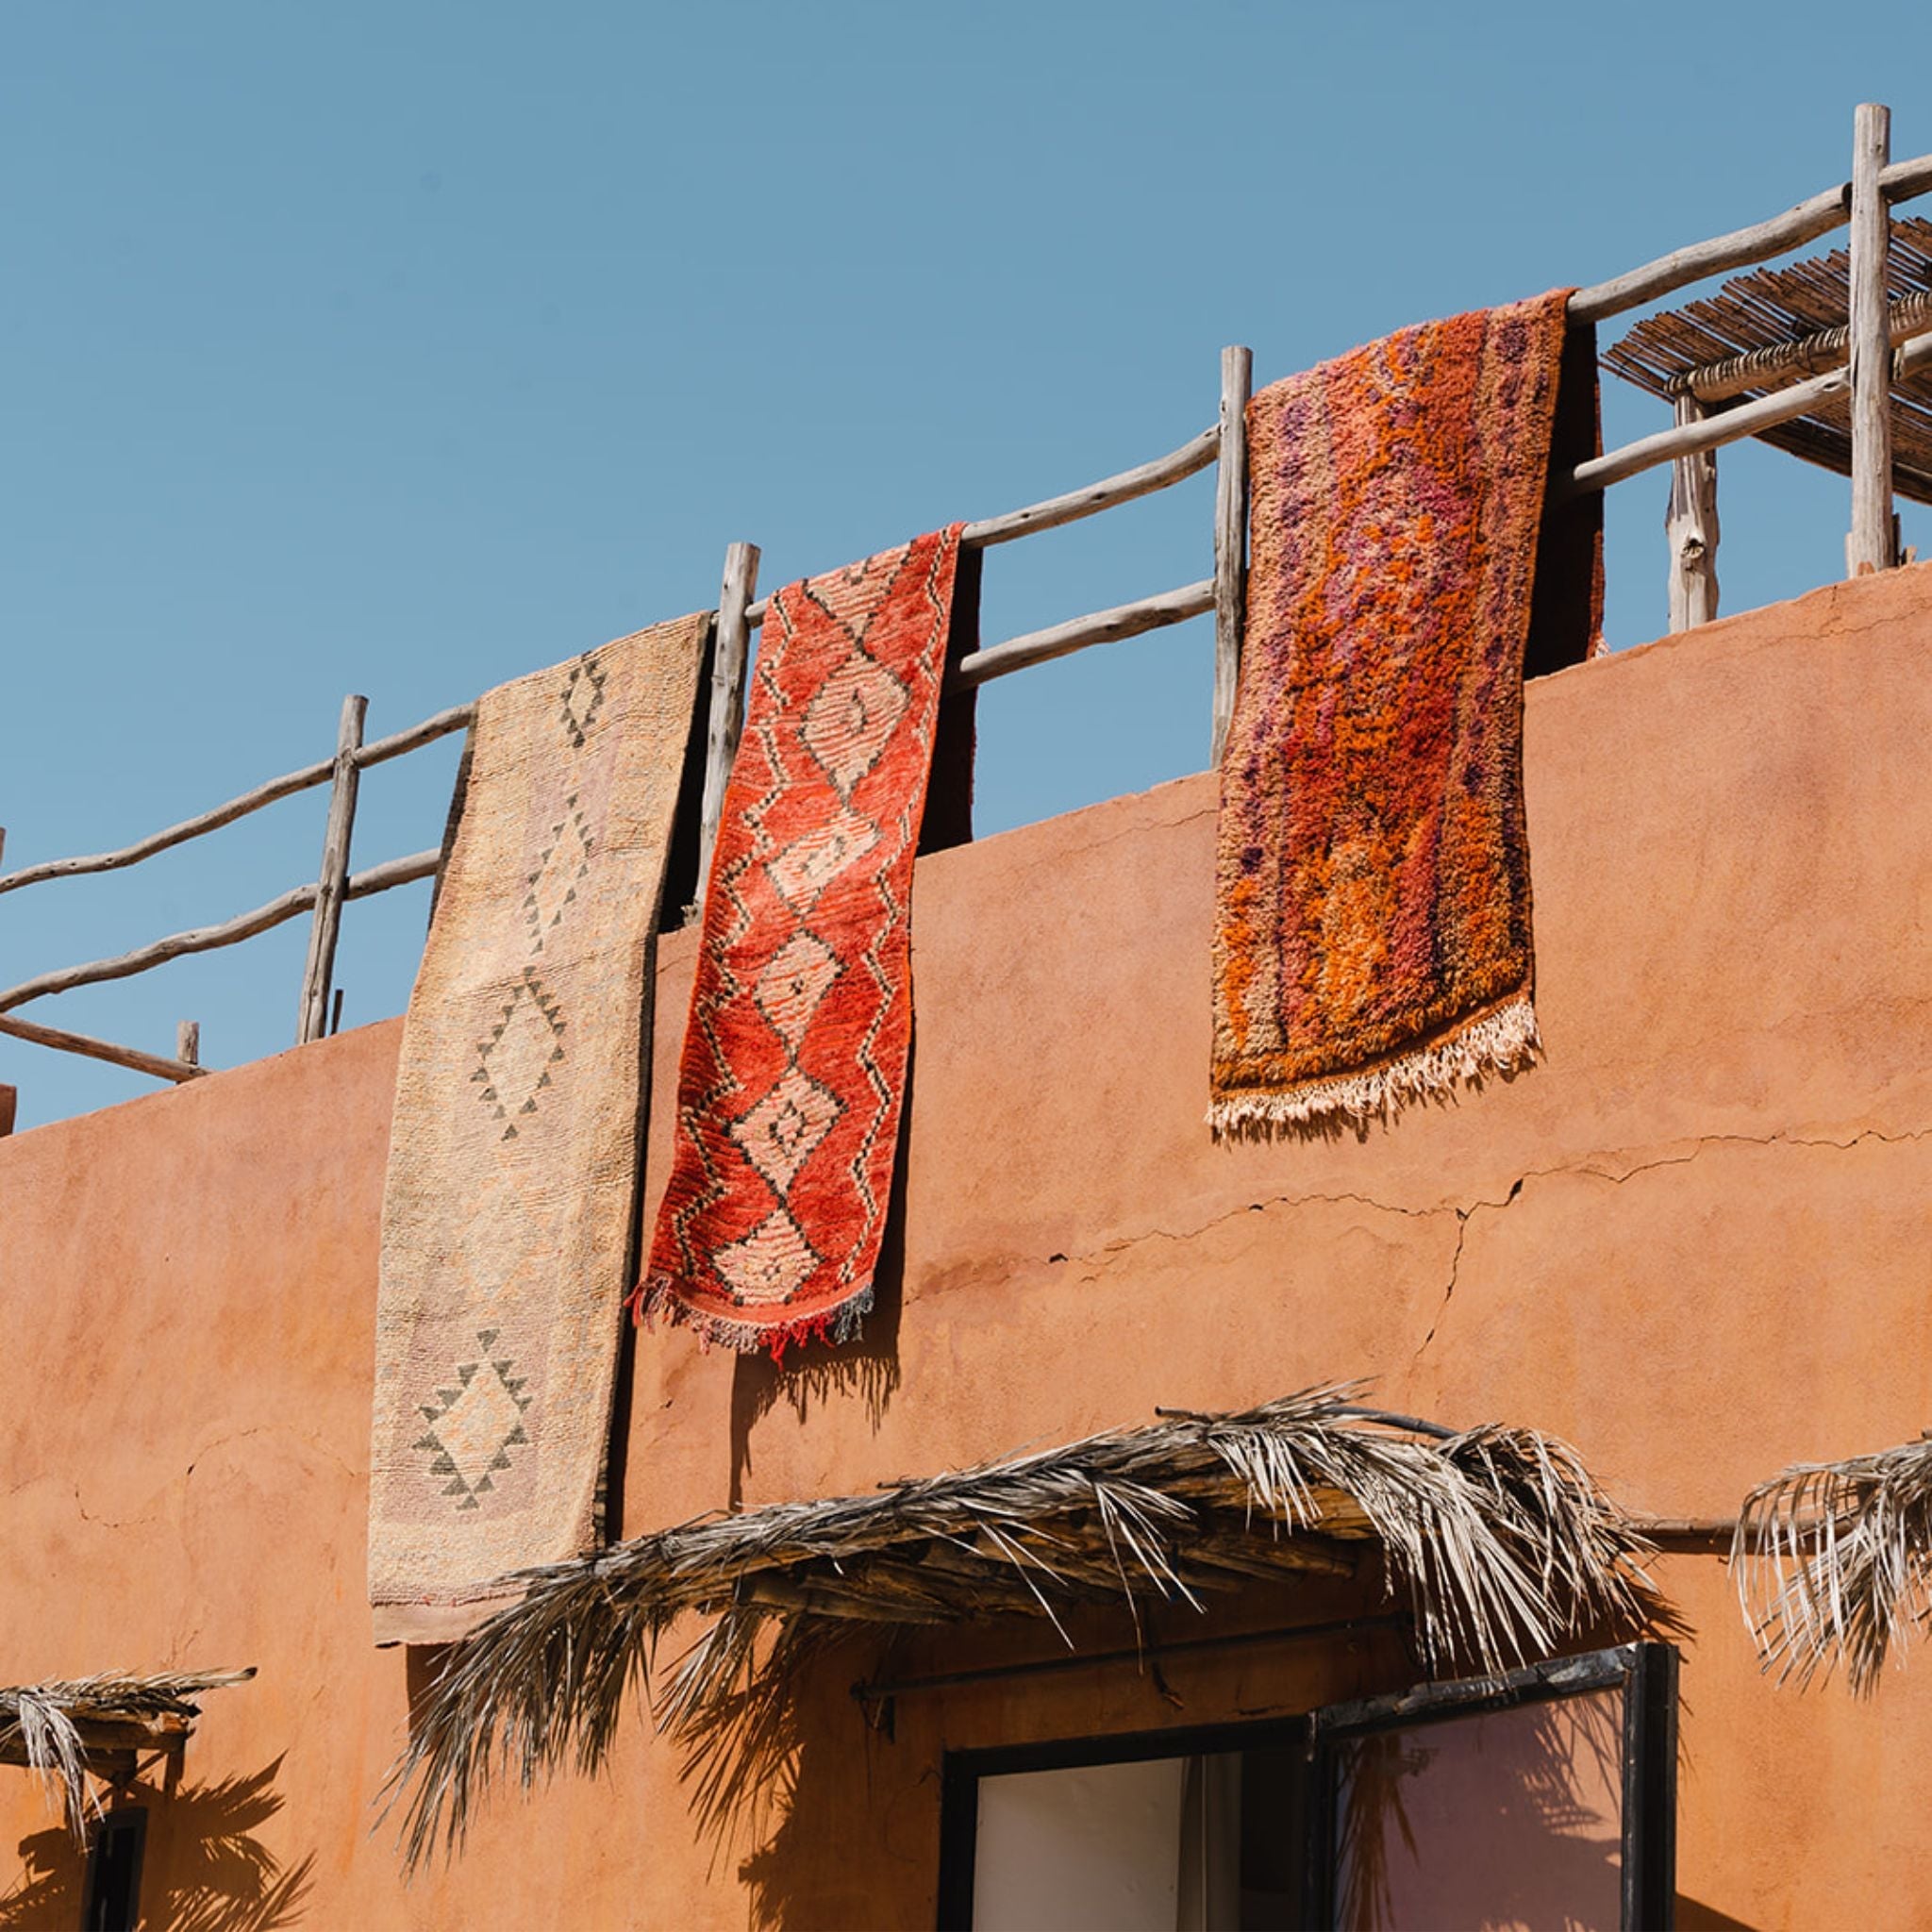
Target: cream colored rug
[[514, 1157]]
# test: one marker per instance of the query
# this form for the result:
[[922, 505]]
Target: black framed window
[[1547, 1796], [113, 1871]]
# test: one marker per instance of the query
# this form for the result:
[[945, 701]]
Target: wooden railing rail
[[207, 939], [1901, 182], [1876, 347], [270, 793], [1225, 443], [1879, 345]]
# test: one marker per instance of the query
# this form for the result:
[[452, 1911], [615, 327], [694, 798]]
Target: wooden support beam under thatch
[[1497, 1540], [100, 1725]]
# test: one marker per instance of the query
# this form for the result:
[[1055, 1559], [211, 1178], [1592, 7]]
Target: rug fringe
[[656, 1299], [1503, 1041]]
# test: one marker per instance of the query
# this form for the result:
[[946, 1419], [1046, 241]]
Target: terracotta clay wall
[[1694, 1241]]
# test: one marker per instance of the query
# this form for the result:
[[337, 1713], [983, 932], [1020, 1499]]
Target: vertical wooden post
[[1230, 537], [312, 1022], [187, 1043], [1691, 531], [1870, 544], [730, 652]]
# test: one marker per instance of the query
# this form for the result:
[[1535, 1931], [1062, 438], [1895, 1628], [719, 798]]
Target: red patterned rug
[[801, 1018], [1372, 918]]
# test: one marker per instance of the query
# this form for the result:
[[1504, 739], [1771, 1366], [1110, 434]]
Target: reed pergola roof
[[1834, 1562], [1498, 1540], [1762, 330], [62, 1731]]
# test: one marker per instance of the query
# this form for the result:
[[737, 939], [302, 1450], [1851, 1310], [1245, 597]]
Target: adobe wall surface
[[1694, 1242]]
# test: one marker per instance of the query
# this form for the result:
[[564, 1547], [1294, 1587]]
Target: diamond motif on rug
[[514, 1064], [810, 863], [792, 1078], [779, 1133], [474, 1424], [583, 698], [798, 975], [561, 868], [770, 1264], [851, 720]]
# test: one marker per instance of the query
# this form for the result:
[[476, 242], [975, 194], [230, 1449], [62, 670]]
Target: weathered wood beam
[[1827, 348], [1733, 425], [1102, 628], [1190, 458], [1690, 527], [1870, 544], [457, 717], [1187, 461], [290, 905], [275, 788], [724, 716], [89, 1048], [312, 1020], [270, 792], [1230, 537], [392, 873], [1822, 214], [187, 1043]]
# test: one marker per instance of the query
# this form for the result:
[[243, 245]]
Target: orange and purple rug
[[794, 1059], [1372, 935]]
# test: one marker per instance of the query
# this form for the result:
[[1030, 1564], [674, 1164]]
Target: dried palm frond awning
[[1498, 1539], [62, 1731], [1762, 330], [1834, 1562]]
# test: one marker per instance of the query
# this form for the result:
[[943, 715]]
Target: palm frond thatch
[[1834, 1562], [58, 1729], [1499, 1538]]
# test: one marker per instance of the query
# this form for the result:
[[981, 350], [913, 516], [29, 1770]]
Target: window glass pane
[[1511, 1819], [1095, 1849]]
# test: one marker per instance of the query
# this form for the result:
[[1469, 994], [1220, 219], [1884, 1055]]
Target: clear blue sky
[[405, 348]]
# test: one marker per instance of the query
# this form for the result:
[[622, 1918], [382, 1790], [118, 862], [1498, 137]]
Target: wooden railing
[[737, 615], [1877, 346]]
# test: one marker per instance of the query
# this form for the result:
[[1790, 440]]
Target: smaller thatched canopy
[[1834, 1562], [1498, 1539], [1762, 330], [62, 1731]]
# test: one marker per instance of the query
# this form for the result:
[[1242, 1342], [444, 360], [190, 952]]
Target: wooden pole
[[455, 719], [1793, 229], [91, 1048], [312, 1019], [187, 1043], [245, 925], [1102, 628], [725, 720], [1716, 382], [1870, 545], [1230, 537], [1690, 528], [1175, 467]]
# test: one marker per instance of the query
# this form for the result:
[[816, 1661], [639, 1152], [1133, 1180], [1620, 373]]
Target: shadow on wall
[[204, 1870]]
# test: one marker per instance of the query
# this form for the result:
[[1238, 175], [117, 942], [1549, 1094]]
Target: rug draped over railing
[[510, 1212], [1373, 921], [796, 1053]]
